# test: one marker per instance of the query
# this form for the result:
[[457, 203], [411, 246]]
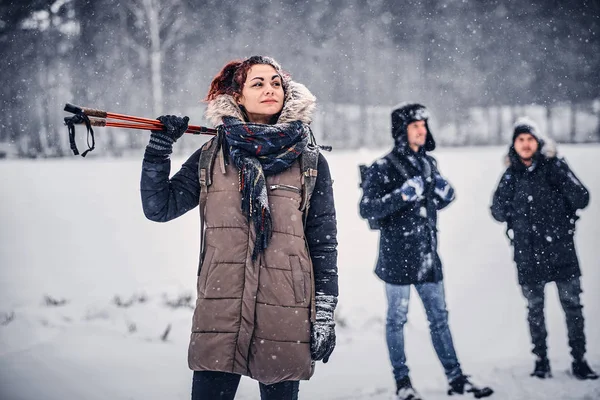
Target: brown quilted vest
[[253, 318]]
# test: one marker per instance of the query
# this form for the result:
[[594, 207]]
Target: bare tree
[[157, 27]]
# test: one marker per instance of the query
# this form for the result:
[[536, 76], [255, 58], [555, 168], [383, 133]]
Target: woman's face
[[262, 95]]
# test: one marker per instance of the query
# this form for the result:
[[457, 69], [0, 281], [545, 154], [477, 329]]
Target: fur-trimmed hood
[[546, 146], [298, 105], [547, 149]]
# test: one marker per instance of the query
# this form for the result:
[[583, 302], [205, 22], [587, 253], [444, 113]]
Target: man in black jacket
[[402, 193], [538, 196]]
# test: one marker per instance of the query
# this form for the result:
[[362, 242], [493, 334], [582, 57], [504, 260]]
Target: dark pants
[[568, 293], [210, 385]]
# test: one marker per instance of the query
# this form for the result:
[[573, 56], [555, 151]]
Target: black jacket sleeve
[[568, 184], [502, 208], [378, 200], [321, 232], [164, 199]]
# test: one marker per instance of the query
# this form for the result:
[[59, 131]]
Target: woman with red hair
[[267, 282]]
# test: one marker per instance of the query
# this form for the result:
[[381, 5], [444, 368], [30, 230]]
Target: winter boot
[[463, 384], [405, 391], [542, 368], [581, 370]]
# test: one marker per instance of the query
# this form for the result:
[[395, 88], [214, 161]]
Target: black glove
[[161, 142], [322, 340]]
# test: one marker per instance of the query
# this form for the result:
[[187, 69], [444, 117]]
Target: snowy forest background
[[96, 300], [476, 64]]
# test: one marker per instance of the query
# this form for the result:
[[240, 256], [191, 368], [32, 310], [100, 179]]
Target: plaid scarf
[[260, 150]]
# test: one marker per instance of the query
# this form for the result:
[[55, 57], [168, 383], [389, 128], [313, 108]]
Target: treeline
[[149, 57]]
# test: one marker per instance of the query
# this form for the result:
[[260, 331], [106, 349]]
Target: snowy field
[[73, 239]]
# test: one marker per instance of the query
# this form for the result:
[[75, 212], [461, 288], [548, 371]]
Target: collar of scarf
[[260, 150]]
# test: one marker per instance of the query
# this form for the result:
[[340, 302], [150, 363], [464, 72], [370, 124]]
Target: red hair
[[230, 80]]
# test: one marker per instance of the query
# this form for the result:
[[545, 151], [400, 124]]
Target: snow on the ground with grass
[[95, 300]]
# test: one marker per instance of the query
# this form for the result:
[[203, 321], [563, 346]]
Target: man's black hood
[[405, 113]]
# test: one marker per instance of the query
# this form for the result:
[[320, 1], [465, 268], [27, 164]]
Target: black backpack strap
[[427, 169], [391, 157], [308, 163], [205, 166], [362, 170]]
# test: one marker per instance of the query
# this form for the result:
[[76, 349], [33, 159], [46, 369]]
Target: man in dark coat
[[402, 193], [538, 196]]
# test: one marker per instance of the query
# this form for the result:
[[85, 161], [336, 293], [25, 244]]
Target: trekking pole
[[92, 112], [151, 125], [94, 117]]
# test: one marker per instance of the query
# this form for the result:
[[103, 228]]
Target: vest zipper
[[285, 187]]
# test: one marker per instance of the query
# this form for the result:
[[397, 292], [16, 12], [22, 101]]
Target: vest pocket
[[285, 187], [298, 279], [204, 270]]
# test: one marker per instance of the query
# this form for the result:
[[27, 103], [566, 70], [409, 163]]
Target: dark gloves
[[322, 340], [161, 142], [412, 189], [443, 189]]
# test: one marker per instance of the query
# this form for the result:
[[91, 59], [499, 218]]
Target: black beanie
[[525, 125], [406, 113]]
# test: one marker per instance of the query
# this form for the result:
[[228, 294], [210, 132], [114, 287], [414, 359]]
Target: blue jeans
[[433, 298]]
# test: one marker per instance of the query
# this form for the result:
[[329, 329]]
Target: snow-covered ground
[[73, 230]]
